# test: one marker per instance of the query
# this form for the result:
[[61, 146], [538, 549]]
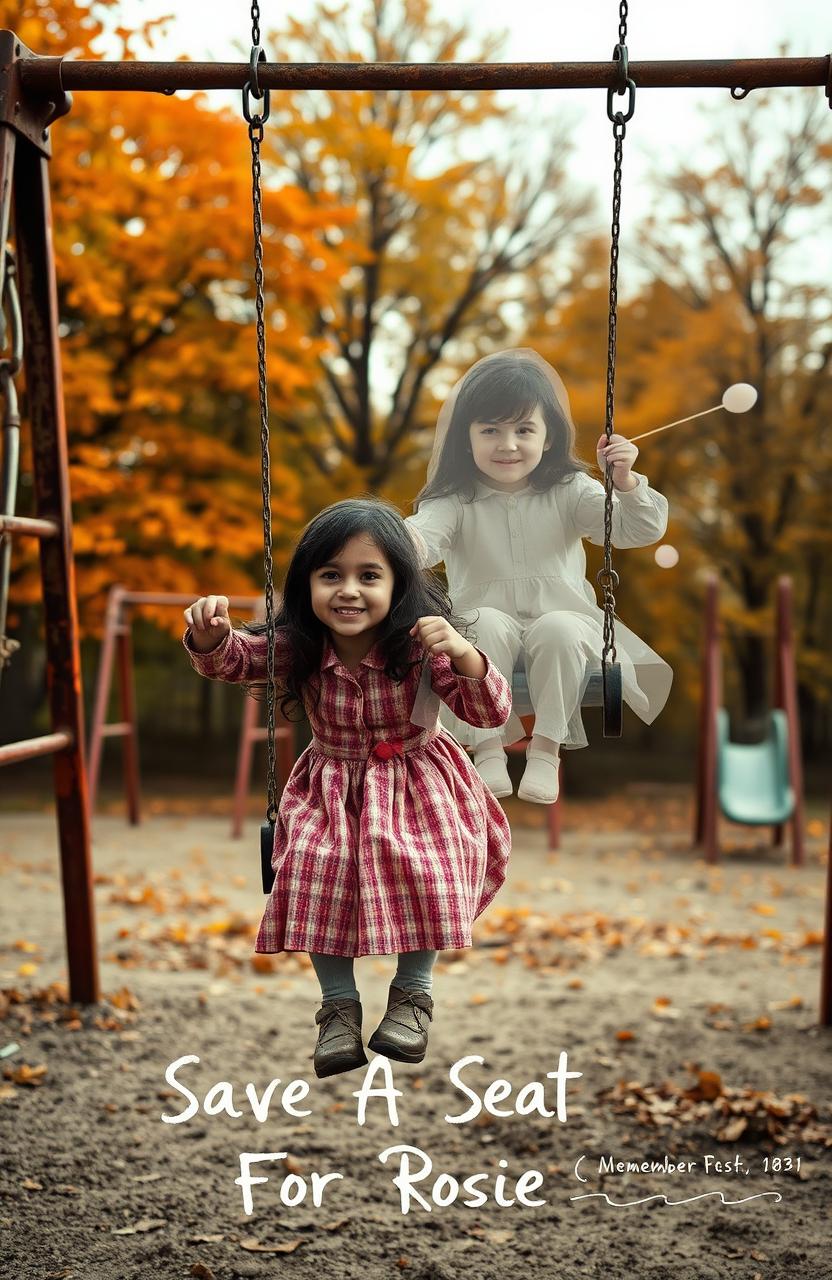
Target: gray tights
[[335, 974]]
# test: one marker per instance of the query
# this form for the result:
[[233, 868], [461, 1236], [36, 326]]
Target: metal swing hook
[[624, 85], [251, 89]]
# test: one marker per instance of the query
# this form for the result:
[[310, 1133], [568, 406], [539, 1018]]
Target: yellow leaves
[[663, 1008], [708, 1087], [152, 211], [762, 1023], [723, 1111], [236, 923], [26, 1075], [124, 999]]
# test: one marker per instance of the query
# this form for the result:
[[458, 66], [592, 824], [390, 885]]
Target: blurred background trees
[[406, 234]]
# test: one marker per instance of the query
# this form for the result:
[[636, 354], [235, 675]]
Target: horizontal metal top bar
[[48, 74]]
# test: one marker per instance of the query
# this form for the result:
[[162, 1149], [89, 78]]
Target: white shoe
[[494, 772], [540, 782]]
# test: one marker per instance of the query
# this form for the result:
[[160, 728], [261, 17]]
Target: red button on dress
[[386, 750]]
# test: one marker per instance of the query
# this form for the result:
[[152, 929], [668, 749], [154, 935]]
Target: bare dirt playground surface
[[685, 996]]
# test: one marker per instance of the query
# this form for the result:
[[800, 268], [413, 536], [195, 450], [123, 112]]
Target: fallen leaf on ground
[[253, 1245], [144, 1224], [25, 1074]]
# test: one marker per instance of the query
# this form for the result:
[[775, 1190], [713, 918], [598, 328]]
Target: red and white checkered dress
[[386, 838]]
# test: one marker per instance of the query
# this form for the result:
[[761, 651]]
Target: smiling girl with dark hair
[[506, 506], [386, 839]]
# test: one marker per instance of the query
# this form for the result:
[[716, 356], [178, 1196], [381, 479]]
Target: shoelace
[[336, 1012], [416, 1008]]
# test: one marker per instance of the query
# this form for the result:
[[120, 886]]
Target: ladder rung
[[14, 752], [34, 528], [116, 730]]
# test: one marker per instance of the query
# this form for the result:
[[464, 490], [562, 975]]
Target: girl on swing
[[386, 839], [506, 506]]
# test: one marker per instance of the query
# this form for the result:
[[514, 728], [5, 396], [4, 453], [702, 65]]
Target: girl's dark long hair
[[506, 388], [416, 593]]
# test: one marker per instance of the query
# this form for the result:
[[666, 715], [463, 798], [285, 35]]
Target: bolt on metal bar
[[43, 75]]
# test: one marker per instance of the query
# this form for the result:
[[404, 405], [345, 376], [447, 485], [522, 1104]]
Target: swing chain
[[622, 24], [607, 578], [255, 133]]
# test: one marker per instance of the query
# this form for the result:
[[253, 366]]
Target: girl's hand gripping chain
[[209, 622], [620, 454], [438, 636]]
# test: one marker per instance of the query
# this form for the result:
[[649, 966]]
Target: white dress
[[518, 560]]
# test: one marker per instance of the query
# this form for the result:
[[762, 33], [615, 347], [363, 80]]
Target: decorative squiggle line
[[590, 1195]]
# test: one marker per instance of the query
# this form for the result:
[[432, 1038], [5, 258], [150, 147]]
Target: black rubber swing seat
[[603, 689]]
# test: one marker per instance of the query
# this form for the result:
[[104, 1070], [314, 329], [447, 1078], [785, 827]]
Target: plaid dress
[[386, 838]]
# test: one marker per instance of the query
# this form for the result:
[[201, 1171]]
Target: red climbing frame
[[116, 650]]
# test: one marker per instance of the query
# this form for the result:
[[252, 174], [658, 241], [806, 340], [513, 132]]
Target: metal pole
[[46, 75], [826, 962], [786, 689], [39, 306]]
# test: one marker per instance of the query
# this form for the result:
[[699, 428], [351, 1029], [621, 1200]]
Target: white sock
[[489, 747], [546, 746]]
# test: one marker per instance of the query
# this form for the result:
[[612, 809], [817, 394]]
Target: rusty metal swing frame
[[34, 92]]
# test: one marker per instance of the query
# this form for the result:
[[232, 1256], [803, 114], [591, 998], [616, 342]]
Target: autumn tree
[[728, 296], [452, 218], [153, 234], [733, 244]]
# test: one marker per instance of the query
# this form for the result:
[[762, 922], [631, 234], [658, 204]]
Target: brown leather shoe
[[339, 1046], [402, 1033]]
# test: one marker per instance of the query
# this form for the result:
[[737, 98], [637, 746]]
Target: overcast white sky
[[667, 121]]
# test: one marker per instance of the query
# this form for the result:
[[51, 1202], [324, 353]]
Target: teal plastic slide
[[753, 778]]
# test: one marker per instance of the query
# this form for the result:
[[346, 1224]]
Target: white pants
[[560, 649]]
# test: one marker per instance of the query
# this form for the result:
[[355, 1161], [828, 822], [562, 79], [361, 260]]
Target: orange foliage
[[153, 235]]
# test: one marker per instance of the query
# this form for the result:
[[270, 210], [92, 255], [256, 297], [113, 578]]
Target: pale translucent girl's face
[[506, 453], [352, 593]]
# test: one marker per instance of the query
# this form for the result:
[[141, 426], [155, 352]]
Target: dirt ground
[[685, 996]]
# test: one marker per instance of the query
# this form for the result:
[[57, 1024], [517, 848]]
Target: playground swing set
[[35, 91]]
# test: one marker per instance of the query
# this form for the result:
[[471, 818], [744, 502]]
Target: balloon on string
[[738, 398]]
